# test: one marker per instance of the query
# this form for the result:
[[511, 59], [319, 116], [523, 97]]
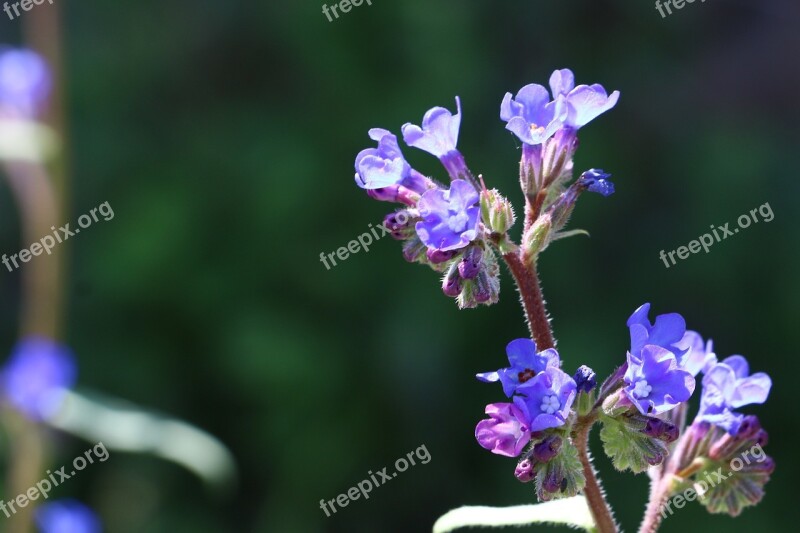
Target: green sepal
[[628, 447], [565, 467]]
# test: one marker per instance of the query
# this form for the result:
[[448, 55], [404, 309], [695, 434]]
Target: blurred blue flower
[[66, 516], [25, 83], [728, 385], [36, 376]]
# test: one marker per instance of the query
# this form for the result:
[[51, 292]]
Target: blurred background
[[223, 135]]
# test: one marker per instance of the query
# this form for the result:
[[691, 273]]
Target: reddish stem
[[532, 300]]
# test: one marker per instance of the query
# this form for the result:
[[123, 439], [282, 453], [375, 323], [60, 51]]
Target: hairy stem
[[532, 300], [601, 512], [661, 488]]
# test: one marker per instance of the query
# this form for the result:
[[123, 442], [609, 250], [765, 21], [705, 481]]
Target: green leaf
[[627, 447], [573, 512]]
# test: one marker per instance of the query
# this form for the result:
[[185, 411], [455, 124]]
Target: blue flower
[[595, 180], [37, 375], [526, 363], [449, 218], [382, 166], [667, 331], [654, 382], [699, 356], [66, 516], [439, 132], [728, 385], [583, 103], [546, 398], [532, 116], [25, 83]]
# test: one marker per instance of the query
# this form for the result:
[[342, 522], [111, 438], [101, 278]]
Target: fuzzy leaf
[[566, 469], [733, 493], [627, 447], [573, 512]]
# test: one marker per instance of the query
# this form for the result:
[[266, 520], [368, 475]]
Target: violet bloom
[[583, 103], [25, 83], [37, 375], [699, 356], [531, 116], [439, 136], [449, 218], [66, 516], [382, 166], [525, 364], [506, 432], [727, 386], [654, 382], [667, 331], [546, 398]]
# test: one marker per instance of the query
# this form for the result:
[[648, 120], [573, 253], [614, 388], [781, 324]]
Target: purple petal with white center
[[654, 383], [547, 397], [449, 218]]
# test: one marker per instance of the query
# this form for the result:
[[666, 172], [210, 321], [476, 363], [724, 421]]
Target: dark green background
[[223, 135]]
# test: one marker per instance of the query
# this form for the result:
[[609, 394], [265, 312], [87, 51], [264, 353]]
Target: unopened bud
[[451, 284], [496, 211], [585, 379], [470, 264], [440, 256], [537, 237], [547, 449], [524, 471]]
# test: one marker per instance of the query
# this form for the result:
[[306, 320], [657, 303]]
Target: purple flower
[[546, 398], [667, 331], [506, 432], [727, 386], [583, 103], [654, 382], [699, 356], [449, 218], [25, 83], [37, 375], [67, 516], [531, 116], [439, 132], [525, 364], [382, 166]]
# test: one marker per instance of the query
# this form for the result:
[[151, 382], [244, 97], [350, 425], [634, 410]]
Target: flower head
[[583, 103], [439, 132], [667, 331], [728, 385], [25, 83], [654, 382], [37, 375], [531, 115], [506, 432], [699, 356], [526, 363], [66, 516], [382, 166], [546, 398], [449, 218]]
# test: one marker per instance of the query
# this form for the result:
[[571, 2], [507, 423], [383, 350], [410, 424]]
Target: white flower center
[[550, 405], [641, 389], [457, 222]]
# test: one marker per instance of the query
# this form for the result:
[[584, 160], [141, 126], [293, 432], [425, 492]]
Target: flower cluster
[[455, 229], [642, 406]]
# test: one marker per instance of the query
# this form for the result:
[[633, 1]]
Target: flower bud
[[399, 224], [451, 284], [537, 237], [496, 211], [524, 471], [585, 378], [440, 256], [470, 264], [547, 449]]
